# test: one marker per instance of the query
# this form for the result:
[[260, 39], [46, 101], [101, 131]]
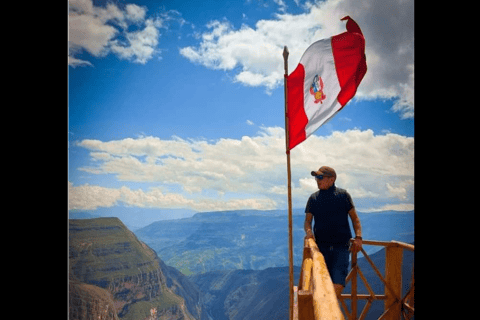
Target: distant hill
[[252, 239], [133, 217], [246, 294], [75, 214], [110, 269]]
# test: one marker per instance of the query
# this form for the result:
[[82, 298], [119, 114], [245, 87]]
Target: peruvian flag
[[324, 81]]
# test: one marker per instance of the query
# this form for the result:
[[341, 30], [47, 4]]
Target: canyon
[[110, 269]]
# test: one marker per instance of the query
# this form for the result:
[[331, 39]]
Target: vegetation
[[141, 309]]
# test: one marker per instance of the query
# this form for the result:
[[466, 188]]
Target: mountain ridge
[[252, 239], [236, 293], [106, 258]]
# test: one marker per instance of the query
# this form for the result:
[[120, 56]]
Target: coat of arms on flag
[[316, 89]]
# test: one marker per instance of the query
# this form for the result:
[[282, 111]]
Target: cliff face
[[107, 258], [90, 302]]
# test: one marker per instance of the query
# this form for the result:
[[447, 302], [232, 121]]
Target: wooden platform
[[315, 299]]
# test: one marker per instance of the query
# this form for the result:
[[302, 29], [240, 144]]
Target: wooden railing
[[316, 297]]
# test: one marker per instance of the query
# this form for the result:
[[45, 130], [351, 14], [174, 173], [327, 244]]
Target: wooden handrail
[[316, 295], [316, 287]]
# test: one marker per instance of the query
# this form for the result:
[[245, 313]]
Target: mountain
[[252, 239], [110, 269], [89, 301], [114, 275], [246, 294], [388, 225], [133, 217]]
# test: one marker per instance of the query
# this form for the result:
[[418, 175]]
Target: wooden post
[[393, 276], [289, 185]]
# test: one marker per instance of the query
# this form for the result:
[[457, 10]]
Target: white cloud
[[140, 44], [393, 207], [135, 13], [97, 30], [255, 54], [91, 197], [74, 62], [250, 171], [87, 197], [399, 192], [282, 5], [88, 29]]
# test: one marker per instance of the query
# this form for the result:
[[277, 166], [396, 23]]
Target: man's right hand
[[307, 226]]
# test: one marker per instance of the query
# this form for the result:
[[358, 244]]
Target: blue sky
[[179, 104]]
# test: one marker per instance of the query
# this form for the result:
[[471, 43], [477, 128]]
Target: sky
[[180, 105]]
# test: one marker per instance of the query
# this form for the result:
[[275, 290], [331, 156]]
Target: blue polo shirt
[[330, 213]]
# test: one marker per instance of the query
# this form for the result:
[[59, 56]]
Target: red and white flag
[[324, 81]]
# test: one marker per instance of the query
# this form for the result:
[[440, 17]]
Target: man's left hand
[[356, 245]]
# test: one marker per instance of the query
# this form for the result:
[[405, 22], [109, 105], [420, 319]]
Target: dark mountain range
[[113, 274], [246, 294], [252, 239]]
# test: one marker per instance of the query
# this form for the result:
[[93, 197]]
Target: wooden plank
[[307, 274], [349, 277], [393, 276], [387, 312], [325, 303], [345, 308], [404, 245], [305, 305], [409, 308], [367, 285], [365, 310], [295, 303], [377, 243], [364, 296], [306, 255], [387, 285]]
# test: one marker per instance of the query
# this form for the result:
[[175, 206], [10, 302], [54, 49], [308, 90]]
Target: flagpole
[[289, 186]]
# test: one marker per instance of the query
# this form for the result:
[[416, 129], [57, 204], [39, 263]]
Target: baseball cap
[[326, 171]]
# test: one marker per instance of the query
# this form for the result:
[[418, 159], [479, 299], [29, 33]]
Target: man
[[330, 207]]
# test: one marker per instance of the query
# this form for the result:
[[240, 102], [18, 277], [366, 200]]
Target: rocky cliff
[[111, 269], [89, 301]]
